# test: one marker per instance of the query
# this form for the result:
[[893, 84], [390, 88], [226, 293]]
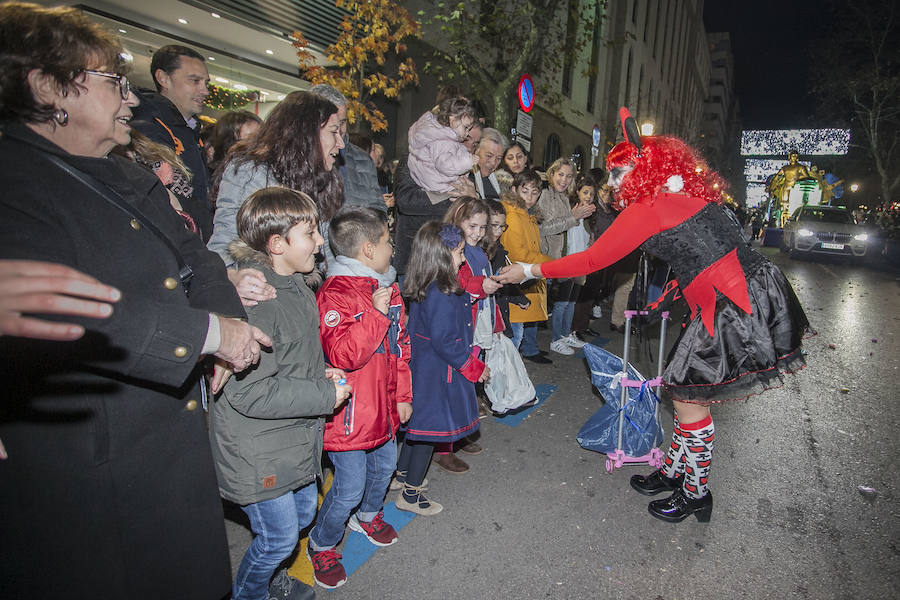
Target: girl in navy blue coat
[[443, 361]]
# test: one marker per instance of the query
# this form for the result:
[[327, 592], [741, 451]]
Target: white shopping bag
[[509, 386]]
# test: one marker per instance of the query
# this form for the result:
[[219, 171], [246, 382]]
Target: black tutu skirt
[[748, 353]]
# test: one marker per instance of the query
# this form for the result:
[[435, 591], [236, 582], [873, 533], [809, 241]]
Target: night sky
[[772, 44]]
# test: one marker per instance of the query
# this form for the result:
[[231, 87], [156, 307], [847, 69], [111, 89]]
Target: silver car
[[824, 230]]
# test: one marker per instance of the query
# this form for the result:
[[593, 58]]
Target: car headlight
[[861, 237], [804, 232]]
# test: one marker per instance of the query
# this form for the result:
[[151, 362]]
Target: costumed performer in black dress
[[746, 324]]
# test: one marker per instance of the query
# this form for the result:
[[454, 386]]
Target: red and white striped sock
[[673, 461], [698, 446]]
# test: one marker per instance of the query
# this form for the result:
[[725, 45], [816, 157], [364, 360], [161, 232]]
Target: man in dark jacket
[[169, 117]]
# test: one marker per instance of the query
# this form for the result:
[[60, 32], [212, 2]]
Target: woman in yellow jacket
[[522, 241]]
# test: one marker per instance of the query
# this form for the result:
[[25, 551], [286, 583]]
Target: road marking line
[[542, 391], [357, 549], [598, 341]]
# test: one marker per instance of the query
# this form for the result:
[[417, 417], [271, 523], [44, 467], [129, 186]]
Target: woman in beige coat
[[558, 217]]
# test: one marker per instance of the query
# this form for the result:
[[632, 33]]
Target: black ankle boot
[[654, 483], [678, 507]]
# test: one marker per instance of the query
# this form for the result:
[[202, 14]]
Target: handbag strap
[[185, 273]]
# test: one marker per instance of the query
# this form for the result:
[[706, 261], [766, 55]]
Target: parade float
[[780, 188]]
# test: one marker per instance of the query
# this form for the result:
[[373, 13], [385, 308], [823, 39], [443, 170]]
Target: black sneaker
[[285, 587], [539, 359]]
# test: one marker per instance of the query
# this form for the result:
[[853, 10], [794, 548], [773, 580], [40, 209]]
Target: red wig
[[662, 157]]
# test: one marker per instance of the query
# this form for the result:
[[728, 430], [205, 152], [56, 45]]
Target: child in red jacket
[[363, 330]]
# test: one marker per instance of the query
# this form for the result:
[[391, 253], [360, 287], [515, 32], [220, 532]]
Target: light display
[[756, 194], [808, 142], [223, 98], [760, 169]]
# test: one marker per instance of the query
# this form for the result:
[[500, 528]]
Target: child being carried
[[437, 156]]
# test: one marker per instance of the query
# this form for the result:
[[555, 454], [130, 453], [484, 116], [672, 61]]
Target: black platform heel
[[654, 483], [678, 507]]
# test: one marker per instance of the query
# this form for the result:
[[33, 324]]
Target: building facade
[[652, 56]]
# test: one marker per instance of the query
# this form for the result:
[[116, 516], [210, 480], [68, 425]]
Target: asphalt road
[[539, 517]]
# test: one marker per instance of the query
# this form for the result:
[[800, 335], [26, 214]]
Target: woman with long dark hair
[[296, 147]]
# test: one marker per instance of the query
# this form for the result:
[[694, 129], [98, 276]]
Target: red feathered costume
[[750, 322]]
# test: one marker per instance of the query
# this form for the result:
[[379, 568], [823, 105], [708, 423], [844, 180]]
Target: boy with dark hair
[[266, 427], [363, 332]]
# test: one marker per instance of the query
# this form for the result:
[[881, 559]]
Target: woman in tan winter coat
[[522, 241], [559, 216]]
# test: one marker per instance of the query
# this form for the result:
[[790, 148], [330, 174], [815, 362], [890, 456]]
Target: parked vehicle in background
[[824, 230]]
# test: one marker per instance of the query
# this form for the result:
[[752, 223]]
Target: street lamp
[[854, 187], [647, 128]]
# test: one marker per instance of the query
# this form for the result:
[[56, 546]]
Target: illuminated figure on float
[[745, 326], [781, 185]]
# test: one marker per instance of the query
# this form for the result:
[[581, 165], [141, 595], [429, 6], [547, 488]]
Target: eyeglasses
[[500, 228], [121, 80]]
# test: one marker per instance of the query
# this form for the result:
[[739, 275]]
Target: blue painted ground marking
[[358, 549], [513, 419], [598, 341]]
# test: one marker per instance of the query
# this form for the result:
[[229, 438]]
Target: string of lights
[[807, 142], [223, 98]]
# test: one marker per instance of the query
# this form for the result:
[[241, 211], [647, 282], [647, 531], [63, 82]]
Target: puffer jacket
[[373, 349], [522, 241], [554, 207], [266, 426], [436, 156]]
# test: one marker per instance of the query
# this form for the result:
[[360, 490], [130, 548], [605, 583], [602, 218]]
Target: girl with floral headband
[[443, 359], [745, 325]]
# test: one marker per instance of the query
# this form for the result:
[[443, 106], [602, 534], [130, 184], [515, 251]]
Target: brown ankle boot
[[450, 463]]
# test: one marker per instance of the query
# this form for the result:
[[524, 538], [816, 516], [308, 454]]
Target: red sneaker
[[327, 568], [378, 532]]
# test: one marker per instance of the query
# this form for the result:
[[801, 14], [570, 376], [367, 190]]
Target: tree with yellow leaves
[[371, 31]]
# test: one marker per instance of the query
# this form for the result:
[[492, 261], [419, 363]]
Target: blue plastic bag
[[641, 427]]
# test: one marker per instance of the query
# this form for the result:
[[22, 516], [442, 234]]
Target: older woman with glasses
[[108, 488]]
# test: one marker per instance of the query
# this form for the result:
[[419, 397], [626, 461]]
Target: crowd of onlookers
[[280, 275]]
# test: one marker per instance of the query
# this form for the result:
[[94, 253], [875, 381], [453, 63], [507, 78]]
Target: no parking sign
[[526, 93]]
